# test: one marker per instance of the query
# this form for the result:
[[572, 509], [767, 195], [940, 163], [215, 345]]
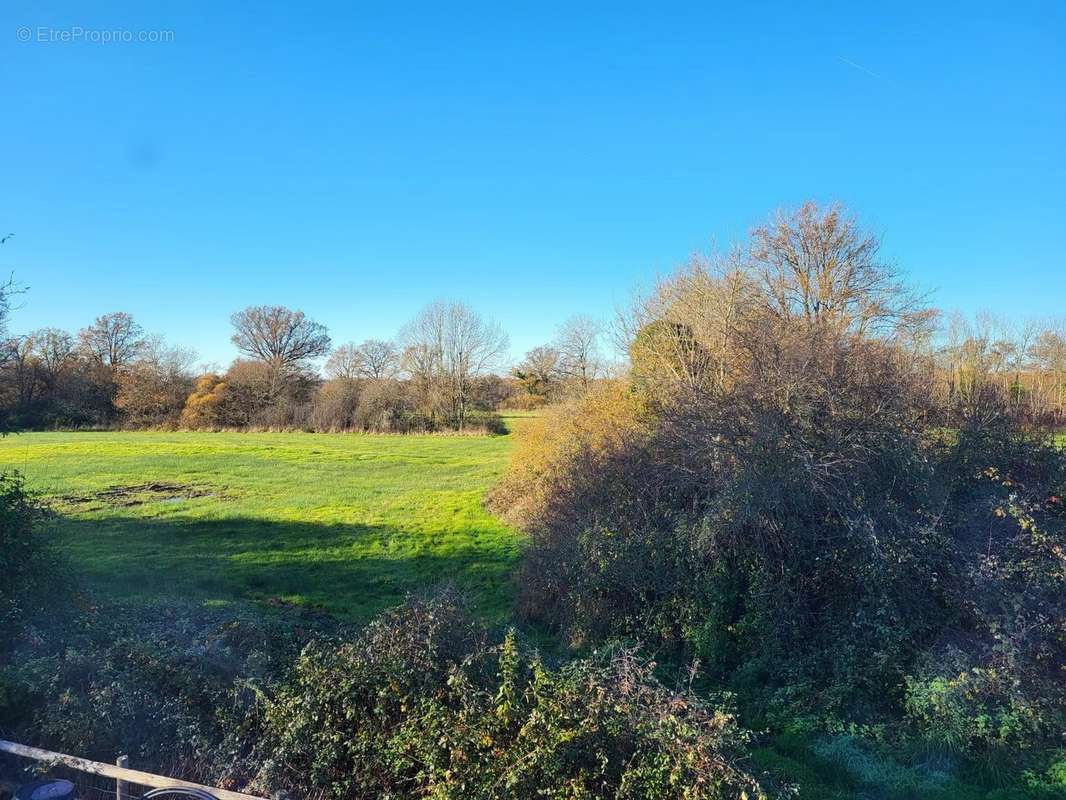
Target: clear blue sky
[[536, 160]]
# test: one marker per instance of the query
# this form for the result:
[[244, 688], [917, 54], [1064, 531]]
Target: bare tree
[[819, 266], [283, 339], [1047, 353], [791, 306], [1021, 360], [345, 362], [448, 346], [55, 351], [8, 290], [374, 359], [380, 359], [687, 331], [25, 368], [578, 344], [113, 340]]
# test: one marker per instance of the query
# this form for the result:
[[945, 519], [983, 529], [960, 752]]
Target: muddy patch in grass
[[136, 495]]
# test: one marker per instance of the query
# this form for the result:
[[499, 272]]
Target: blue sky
[[536, 160]]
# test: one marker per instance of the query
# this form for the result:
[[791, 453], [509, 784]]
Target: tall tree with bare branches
[[578, 344], [379, 359], [113, 340], [283, 339], [373, 359], [818, 265], [446, 348], [345, 362]]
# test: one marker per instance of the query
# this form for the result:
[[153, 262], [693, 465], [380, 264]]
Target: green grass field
[[342, 522]]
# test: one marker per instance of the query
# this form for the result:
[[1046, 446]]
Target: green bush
[[488, 421], [27, 571], [176, 687], [423, 705]]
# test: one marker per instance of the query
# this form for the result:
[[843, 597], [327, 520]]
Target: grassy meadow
[[345, 523]]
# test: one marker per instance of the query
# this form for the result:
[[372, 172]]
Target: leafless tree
[[8, 290], [166, 358], [283, 339], [804, 306], [380, 359], [578, 344], [55, 351], [345, 362], [374, 359], [113, 340], [1021, 360], [25, 369], [448, 346], [820, 266], [1047, 353]]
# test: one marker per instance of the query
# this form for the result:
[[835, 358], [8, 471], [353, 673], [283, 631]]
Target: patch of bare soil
[[138, 494]]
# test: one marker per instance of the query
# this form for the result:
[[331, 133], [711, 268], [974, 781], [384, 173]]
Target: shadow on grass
[[352, 571]]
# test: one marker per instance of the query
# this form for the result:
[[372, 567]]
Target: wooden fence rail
[[116, 772]]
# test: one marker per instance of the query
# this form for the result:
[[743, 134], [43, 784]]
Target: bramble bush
[[25, 561], [174, 686], [993, 678], [26, 571], [423, 704]]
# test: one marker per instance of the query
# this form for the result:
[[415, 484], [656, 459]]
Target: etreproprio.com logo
[[76, 34]]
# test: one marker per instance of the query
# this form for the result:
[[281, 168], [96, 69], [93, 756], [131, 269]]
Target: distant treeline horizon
[[445, 367]]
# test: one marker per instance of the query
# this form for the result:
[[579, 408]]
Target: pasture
[[345, 523]]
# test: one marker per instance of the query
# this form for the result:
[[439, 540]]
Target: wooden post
[[121, 787]]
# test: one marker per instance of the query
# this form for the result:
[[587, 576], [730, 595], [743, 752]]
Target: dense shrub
[[204, 407], [524, 401], [422, 705], [247, 398], [491, 392], [774, 490], [334, 405], [649, 522], [151, 392], [26, 563], [484, 422], [386, 406], [250, 395], [567, 453], [174, 686], [994, 676], [29, 579]]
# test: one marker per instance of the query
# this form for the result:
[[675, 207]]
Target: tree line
[[445, 369]]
